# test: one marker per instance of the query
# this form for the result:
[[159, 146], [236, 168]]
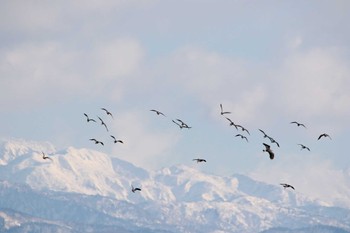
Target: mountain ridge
[[174, 197]]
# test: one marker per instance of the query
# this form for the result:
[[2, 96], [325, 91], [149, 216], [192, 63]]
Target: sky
[[267, 62]]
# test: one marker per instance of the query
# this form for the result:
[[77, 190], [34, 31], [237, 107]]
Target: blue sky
[[268, 62]]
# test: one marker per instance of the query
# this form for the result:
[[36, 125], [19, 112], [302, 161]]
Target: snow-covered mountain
[[82, 190]]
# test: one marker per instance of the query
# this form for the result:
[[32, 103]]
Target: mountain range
[[83, 190]]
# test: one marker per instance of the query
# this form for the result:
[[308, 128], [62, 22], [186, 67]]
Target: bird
[[304, 147], [265, 135], [287, 186], [107, 112], [158, 112], [183, 124], [273, 141], [200, 160], [102, 123], [324, 135], [268, 150], [134, 189], [96, 141], [232, 123], [89, 119], [178, 124], [115, 140], [242, 136], [243, 129], [298, 124], [222, 111], [45, 157]]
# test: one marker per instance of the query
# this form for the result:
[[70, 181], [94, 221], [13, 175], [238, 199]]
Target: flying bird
[[102, 123], [298, 124], [222, 111], [133, 189], [265, 135], [287, 186], [178, 124], [46, 157], [107, 112], [268, 150], [88, 119], [115, 140], [242, 136], [183, 124], [273, 141], [324, 135], [232, 123], [157, 112], [243, 129], [304, 147], [96, 141], [200, 160]]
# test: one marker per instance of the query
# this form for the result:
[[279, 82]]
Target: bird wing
[[266, 146], [319, 137], [272, 155], [262, 131], [112, 137]]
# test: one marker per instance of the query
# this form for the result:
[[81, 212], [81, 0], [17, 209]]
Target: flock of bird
[[182, 125]]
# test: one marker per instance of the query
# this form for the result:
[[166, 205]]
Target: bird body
[[133, 189], [222, 110], [115, 140], [232, 123], [200, 160], [298, 124], [265, 135], [157, 112], [268, 150], [103, 123], [324, 135], [96, 141], [107, 112], [304, 147], [287, 186], [45, 157], [242, 136], [88, 119]]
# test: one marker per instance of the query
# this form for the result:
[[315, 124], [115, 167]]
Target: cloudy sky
[[267, 62]]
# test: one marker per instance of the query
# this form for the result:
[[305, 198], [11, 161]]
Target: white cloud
[[143, 145], [40, 73], [314, 82], [310, 175]]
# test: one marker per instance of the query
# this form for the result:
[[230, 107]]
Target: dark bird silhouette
[[298, 124], [133, 189], [178, 124], [96, 141], [183, 124], [115, 140], [242, 136], [89, 119], [232, 123], [265, 135], [45, 157], [287, 186], [102, 123], [243, 129], [324, 135], [200, 160], [157, 112], [273, 141], [304, 147], [268, 150], [222, 111], [107, 112]]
